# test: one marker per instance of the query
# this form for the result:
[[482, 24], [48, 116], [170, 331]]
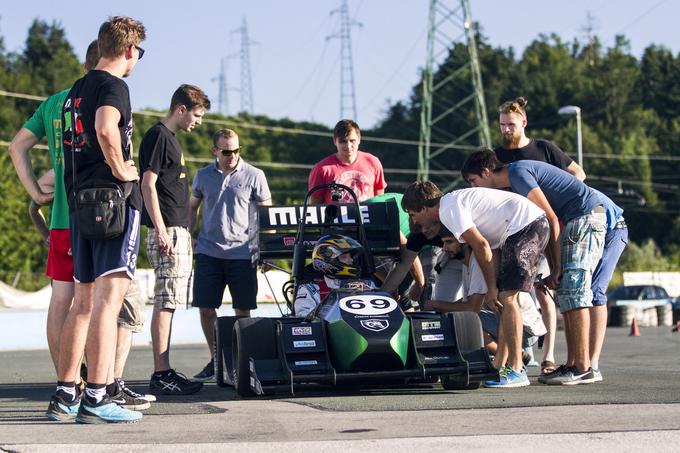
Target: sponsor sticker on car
[[306, 362], [431, 325], [368, 304], [436, 337], [302, 330], [376, 325], [304, 344]]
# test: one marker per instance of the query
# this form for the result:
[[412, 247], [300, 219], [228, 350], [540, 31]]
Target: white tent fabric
[[39, 300]]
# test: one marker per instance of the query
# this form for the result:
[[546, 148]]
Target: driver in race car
[[338, 258]]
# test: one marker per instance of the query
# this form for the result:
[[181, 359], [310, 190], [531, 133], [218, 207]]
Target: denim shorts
[[582, 243]]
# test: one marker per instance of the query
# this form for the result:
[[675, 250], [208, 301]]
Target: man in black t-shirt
[[97, 119], [165, 187], [517, 146], [415, 242]]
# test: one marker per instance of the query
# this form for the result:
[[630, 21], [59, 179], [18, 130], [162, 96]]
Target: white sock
[[96, 394], [70, 390], [595, 366]]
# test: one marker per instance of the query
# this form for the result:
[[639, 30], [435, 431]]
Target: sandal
[[547, 367]]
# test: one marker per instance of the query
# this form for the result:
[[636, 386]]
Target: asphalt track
[[635, 409]]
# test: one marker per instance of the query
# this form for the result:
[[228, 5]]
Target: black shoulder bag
[[100, 210]]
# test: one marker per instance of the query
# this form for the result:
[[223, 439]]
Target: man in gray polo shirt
[[230, 190]]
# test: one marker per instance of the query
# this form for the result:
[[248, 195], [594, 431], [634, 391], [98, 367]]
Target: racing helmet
[[327, 252]]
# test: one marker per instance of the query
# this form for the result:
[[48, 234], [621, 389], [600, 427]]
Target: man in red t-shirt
[[361, 171]]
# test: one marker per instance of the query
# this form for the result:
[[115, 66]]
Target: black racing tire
[[224, 325], [469, 336], [252, 337], [456, 383]]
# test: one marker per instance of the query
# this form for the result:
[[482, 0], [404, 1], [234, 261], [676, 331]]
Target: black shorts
[[520, 255], [213, 275]]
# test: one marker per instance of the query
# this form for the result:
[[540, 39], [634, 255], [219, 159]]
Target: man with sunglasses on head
[[165, 187], [230, 190]]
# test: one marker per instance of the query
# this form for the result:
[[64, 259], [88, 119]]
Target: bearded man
[[517, 146]]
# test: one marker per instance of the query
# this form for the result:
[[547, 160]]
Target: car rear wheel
[[224, 371], [252, 338]]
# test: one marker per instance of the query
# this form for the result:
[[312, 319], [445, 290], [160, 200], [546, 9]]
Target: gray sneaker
[[207, 373], [572, 376], [597, 376], [559, 371]]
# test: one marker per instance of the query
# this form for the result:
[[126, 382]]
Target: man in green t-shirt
[[46, 122]]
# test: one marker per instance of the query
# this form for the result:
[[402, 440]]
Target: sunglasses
[[229, 152], [141, 52]]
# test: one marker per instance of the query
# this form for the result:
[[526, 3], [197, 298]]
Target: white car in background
[[640, 296]]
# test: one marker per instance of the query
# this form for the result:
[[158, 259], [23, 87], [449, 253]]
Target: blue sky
[[296, 69]]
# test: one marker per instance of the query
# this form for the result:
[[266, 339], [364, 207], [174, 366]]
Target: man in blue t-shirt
[[582, 257]]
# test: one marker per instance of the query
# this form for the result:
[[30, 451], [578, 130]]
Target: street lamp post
[[575, 110]]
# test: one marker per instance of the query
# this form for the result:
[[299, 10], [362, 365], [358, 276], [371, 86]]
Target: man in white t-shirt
[[473, 289], [486, 220]]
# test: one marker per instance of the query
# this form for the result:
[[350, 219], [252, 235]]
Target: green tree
[[48, 59]]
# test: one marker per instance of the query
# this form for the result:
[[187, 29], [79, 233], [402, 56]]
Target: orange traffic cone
[[634, 330]]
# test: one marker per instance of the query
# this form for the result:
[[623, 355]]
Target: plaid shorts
[[582, 243], [172, 272]]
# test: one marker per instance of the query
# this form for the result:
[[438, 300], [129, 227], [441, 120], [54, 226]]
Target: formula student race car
[[353, 337]]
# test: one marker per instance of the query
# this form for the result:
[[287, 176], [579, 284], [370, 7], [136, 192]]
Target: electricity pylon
[[450, 22], [246, 87], [348, 102]]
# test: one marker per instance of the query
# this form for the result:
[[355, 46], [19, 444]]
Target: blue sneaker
[[509, 378], [106, 411], [61, 409]]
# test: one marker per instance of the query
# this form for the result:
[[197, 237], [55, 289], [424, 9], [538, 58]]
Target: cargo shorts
[[172, 272], [133, 312], [582, 244]]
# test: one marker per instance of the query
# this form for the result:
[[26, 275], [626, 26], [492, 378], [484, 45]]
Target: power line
[[366, 138], [659, 187], [641, 16]]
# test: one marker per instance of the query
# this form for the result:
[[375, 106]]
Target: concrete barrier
[[664, 314], [622, 316]]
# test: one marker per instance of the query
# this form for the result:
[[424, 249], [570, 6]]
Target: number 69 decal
[[369, 304]]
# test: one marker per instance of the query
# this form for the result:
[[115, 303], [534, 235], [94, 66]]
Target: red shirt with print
[[365, 176]]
